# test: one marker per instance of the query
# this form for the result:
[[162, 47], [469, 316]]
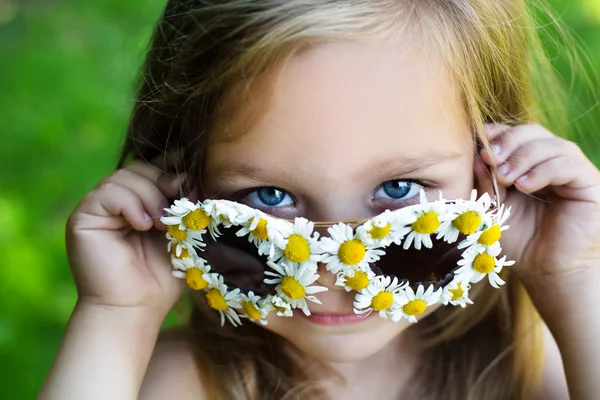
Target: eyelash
[[391, 203]]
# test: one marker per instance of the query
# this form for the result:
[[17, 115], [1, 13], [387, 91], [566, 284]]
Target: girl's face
[[351, 129]]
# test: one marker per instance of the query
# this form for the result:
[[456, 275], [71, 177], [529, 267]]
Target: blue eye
[[398, 189], [268, 196]]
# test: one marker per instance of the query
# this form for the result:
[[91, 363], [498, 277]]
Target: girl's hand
[[117, 259], [554, 192]]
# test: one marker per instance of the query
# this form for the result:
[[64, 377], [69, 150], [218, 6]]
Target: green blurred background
[[66, 74]]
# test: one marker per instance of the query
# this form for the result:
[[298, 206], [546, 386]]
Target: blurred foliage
[[66, 74]]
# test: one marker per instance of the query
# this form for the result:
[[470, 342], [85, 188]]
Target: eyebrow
[[409, 165], [398, 166]]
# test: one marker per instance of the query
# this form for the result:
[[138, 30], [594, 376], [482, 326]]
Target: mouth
[[335, 319]]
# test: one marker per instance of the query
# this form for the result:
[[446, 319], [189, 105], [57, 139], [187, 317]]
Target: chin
[[341, 343]]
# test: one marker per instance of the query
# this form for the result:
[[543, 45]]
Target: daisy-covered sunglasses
[[398, 263]]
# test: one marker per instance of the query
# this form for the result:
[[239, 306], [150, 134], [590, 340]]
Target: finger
[[532, 153], [484, 181], [169, 185], [150, 171], [492, 131], [569, 177], [152, 197], [114, 207], [508, 141], [172, 186]]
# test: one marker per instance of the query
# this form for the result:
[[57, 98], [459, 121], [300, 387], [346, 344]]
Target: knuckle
[[572, 147], [106, 188], [121, 174]]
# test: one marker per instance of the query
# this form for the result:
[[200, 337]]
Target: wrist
[[566, 301], [104, 353], [148, 317]]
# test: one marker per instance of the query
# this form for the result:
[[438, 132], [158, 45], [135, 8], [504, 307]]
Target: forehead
[[344, 106]]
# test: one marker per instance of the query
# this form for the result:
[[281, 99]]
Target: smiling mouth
[[334, 319]]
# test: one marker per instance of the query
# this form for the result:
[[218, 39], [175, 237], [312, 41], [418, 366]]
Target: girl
[[335, 111]]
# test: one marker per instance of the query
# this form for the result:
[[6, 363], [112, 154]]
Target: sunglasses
[[398, 263]]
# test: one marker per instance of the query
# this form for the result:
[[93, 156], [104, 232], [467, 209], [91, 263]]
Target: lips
[[335, 319]]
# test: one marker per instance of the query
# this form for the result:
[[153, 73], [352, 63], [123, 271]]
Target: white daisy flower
[[190, 216], [424, 220], [489, 237], [382, 296], [298, 243], [413, 304], [354, 279], [477, 262], [177, 212], [193, 269], [229, 213], [187, 239], [465, 217], [456, 293], [293, 282], [279, 305], [382, 230], [261, 229], [253, 309], [220, 298], [345, 250]]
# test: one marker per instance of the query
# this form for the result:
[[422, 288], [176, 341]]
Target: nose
[[326, 278]]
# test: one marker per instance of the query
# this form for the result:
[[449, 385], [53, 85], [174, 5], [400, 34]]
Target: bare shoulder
[[173, 372], [554, 381]]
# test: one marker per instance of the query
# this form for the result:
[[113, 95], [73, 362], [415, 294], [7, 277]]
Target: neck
[[382, 375]]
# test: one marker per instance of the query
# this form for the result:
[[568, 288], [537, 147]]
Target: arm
[[119, 261], [570, 311], [104, 353]]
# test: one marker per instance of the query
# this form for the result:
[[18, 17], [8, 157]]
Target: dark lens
[[237, 260], [435, 265]]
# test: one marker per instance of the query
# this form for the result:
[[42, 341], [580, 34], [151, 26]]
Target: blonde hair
[[204, 59]]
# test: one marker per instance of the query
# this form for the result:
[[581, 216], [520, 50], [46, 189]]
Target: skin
[[407, 104]]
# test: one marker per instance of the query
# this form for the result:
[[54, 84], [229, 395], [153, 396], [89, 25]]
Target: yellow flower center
[[414, 307], [260, 231], [183, 254], [176, 233], [379, 233], [490, 235], [196, 220], [251, 310], [382, 301], [359, 281], [297, 248], [216, 300], [458, 292], [467, 222], [292, 288], [352, 252], [484, 263], [427, 223], [280, 309], [194, 279]]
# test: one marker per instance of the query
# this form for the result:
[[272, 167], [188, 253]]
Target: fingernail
[[503, 169], [146, 217], [523, 178], [496, 148]]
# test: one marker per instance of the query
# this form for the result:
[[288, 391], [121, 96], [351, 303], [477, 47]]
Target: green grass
[[66, 73]]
